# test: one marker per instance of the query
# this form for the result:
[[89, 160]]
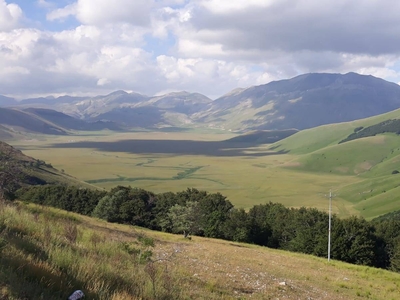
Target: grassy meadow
[[297, 171], [247, 176], [48, 253]]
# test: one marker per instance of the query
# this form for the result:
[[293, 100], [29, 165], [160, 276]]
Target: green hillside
[[18, 170], [307, 141], [262, 136], [373, 159]]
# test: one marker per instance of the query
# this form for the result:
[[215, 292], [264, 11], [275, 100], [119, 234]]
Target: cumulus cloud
[[62, 13], [102, 12], [10, 15], [366, 27], [45, 4], [208, 46]]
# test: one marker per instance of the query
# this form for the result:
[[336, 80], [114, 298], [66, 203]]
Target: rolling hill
[[373, 159], [262, 136], [18, 170], [45, 121], [7, 101]]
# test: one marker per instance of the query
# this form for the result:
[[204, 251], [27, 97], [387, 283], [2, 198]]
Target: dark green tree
[[237, 226], [311, 231], [214, 209], [354, 241]]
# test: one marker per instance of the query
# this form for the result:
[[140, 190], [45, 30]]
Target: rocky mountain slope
[[302, 102]]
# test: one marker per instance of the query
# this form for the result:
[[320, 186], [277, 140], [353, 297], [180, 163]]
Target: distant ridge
[[45, 121], [302, 102]]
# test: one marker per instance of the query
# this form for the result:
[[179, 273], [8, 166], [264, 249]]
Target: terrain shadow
[[177, 147]]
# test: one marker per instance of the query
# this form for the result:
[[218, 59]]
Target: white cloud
[[45, 4], [62, 13], [102, 12], [325, 25], [229, 6], [103, 81], [10, 15], [208, 46]]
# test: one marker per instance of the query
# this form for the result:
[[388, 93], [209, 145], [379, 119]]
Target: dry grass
[[39, 258]]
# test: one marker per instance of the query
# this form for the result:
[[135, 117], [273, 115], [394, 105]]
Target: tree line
[[193, 212], [383, 127]]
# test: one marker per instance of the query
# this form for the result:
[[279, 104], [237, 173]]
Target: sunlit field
[[163, 162]]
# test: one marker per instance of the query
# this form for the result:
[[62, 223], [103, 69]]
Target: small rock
[[282, 283]]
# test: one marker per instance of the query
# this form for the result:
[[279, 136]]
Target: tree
[[182, 219], [311, 228], [354, 241], [214, 209], [395, 255], [237, 226], [161, 208], [388, 233], [108, 207], [126, 205]]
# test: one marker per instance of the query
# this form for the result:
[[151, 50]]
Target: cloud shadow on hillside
[[176, 147]]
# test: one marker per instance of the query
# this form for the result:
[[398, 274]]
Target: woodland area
[[193, 212], [392, 126]]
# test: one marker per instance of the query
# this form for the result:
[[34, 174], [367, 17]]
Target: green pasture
[[354, 157], [245, 180], [310, 140], [359, 171]]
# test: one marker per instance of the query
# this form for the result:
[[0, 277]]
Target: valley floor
[[247, 176]]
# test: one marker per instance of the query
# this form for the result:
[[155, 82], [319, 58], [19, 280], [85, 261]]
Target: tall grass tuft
[[45, 256], [70, 232]]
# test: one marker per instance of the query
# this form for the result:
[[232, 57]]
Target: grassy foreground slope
[[48, 253]]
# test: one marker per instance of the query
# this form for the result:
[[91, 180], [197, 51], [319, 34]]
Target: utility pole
[[330, 225]]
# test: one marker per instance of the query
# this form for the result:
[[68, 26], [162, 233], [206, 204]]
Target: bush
[[395, 172]]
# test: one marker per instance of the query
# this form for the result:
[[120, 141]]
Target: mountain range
[[305, 101]]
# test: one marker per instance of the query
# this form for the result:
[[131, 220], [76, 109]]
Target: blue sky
[[86, 47]]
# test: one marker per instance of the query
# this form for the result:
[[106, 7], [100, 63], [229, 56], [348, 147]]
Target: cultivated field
[[163, 162]]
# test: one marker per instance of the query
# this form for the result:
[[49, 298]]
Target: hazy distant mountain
[[7, 101], [136, 110], [302, 102], [49, 101], [18, 120], [181, 102], [45, 121]]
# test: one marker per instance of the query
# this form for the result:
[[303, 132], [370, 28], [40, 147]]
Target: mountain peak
[[117, 93]]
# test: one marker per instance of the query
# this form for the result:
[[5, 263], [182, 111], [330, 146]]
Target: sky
[[91, 47]]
